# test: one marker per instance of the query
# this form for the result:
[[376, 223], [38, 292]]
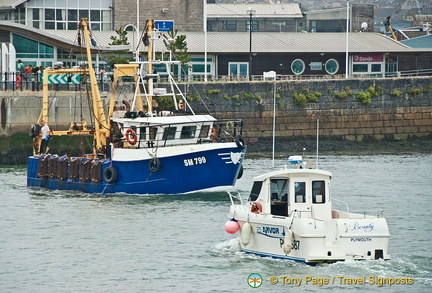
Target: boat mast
[[149, 30], [101, 130]]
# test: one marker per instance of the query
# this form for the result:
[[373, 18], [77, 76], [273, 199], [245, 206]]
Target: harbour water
[[57, 241]]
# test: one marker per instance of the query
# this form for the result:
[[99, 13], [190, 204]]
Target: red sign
[[368, 58]]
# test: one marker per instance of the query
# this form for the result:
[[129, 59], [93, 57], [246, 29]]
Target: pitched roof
[[238, 42], [287, 10], [10, 4], [419, 42], [61, 38]]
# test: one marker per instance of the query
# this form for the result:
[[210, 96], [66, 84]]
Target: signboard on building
[[368, 58], [315, 65], [164, 25]]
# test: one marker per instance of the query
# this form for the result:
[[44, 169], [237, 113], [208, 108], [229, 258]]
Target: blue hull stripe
[[175, 175], [299, 259]]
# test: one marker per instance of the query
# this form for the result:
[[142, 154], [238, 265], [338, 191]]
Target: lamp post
[[346, 51], [134, 47], [250, 12]]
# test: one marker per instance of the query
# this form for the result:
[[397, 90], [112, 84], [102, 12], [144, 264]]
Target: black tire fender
[[110, 174], [240, 173], [154, 165], [240, 142], [35, 130]]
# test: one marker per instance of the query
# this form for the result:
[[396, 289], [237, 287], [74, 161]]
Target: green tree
[[121, 56], [120, 39], [177, 45]]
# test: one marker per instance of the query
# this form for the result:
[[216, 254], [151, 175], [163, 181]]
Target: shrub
[[213, 92], [313, 97], [364, 97], [300, 99], [415, 91], [396, 93], [342, 95]]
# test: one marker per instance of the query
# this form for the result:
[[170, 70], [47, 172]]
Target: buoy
[[246, 232], [288, 242], [232, 226], [256, 207]]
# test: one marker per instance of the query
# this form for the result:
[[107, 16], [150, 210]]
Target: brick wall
[[390, 114], [187, 14], [386, 116]]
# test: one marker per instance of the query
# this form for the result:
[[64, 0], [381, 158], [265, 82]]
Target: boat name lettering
[[295, 244], [366, 228], [269, 231], [195, 161], [361, 239]]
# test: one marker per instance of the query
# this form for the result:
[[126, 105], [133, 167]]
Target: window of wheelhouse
[[169, 133], [188, 132], [204, 131], [142, 134], [318, 191], [153, 133], [279, 197], [256, 189], [300, 192], [279, 189]]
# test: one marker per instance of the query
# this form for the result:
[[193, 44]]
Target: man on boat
[[45, 131]]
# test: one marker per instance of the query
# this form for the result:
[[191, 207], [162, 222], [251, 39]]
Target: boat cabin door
[[279, 196]]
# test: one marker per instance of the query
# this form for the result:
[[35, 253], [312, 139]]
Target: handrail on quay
[[16, 81]]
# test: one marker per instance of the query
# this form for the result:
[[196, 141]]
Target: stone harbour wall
[[394, 109]]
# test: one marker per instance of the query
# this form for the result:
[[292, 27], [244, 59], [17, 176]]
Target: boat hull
[[177, 170], [315, 241]]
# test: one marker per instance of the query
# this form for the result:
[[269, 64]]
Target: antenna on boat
[[274, 124], [317, 141]]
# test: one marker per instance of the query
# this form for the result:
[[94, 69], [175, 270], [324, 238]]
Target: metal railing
[[13, 81]]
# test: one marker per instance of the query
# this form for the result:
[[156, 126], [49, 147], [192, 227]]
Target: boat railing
[[225, 130], [235, 198], [357, 215], [341, 201]]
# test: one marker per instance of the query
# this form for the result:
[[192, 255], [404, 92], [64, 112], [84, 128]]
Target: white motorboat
[[289, 215]]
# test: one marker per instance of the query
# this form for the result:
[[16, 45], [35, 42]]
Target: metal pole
[[346, 51], [205, 40], [274, 124], [137, 32], [250, 44]]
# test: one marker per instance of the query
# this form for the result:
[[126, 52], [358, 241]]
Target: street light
[[250, 12], [347, 34], [134, 48]]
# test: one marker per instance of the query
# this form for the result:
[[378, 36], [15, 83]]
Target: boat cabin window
[[300, 192], [318, 191], [142, 133], [204, 131], [279, 189], [256, 189], [169, 133], [188, 132], [279, 197], [153, 132]]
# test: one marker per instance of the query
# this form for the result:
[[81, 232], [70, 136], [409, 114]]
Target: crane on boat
[[389, 28]]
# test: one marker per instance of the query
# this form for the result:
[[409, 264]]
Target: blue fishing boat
[[140, 150]]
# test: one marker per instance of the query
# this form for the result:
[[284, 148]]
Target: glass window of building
[[376, 67], [65, 14], [298, 66], [360, 68], [332, 66]]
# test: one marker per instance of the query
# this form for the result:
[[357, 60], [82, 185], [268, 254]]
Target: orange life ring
[[18, 81], [213, 134], [131, 136], [256, 207]]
